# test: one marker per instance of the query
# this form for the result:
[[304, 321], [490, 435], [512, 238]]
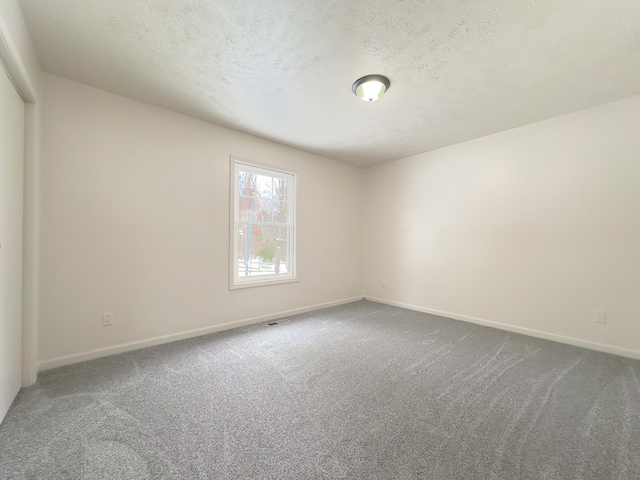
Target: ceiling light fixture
[[371, 87]]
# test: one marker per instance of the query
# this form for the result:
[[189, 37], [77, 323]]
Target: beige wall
[[15, 44], [11, 221], [135, 221], [532, 229], [19, 177]]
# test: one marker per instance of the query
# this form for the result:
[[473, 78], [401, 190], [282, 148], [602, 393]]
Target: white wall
[[11, 217], [16, 51], [19, 60], [533, 228], [135, 219]]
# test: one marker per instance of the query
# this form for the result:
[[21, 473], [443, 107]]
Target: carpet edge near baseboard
[[576, 342], [150, 342]]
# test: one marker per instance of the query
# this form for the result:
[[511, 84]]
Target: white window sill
[[262, 283]]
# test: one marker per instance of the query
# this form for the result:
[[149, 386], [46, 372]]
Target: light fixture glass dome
[[371, 87]]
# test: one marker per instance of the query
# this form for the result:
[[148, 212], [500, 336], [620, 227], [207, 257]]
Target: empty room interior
[[342, 239]]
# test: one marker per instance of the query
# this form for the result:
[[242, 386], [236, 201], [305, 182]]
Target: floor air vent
[[271, 324]]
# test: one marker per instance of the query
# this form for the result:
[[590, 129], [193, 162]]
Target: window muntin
[[263, 225]]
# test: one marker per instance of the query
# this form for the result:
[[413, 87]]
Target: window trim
[[257, 281]]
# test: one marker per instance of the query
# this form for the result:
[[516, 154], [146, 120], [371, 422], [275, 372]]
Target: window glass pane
[[264, 186], [262, 250], [246, 183], [262, 198], [252, 209], [281, 213]]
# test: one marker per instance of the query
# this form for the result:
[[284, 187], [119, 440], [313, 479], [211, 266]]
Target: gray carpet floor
[[363, 390]]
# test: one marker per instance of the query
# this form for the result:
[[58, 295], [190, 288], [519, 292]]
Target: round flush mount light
[[371, 87]]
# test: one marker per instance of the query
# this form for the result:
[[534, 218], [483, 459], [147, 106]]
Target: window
[[263, 230]]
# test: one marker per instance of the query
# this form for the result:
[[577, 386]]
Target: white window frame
[[235, 280]]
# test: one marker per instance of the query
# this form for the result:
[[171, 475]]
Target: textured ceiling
[[283, 69]]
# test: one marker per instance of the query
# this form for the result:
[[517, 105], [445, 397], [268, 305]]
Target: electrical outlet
[[352, 283], [600, 316], [107, 319], [383, 284]]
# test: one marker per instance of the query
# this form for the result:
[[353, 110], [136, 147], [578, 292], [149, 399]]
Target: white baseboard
[[126, 347], [601, 347]]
